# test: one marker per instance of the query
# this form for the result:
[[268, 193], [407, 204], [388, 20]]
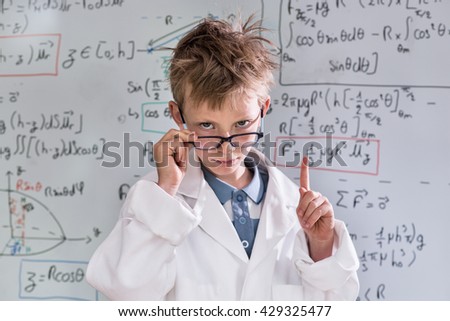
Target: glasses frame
[[228, 139]]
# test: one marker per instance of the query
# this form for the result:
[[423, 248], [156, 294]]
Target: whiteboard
[[362, 88]]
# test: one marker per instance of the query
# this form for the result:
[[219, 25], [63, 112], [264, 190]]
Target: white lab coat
[[186, 248]]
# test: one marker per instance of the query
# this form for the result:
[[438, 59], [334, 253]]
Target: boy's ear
[[176, 115], [266, 106]]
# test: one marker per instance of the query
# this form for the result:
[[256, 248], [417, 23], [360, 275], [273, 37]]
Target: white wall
[[83, 73]]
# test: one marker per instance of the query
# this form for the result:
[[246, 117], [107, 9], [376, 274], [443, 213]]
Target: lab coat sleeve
[[333, 278], [137, 259]]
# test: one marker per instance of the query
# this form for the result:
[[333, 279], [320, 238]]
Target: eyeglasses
[[244, 140]]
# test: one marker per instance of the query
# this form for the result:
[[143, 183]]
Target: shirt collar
[[224, 191]]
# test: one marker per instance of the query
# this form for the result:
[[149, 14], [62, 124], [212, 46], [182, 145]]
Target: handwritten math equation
[[364, 52], [392, 247]]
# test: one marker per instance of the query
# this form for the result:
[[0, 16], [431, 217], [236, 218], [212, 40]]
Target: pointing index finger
[[304, 173]]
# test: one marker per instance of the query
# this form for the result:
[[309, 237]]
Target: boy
[[217, 221]]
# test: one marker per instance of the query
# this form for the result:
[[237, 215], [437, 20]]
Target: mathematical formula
[[51, 279], [381, 48]]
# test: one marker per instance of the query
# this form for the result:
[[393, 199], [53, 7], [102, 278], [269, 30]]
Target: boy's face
[[226, 160]]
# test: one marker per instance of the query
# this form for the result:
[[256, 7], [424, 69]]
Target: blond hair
[[217, 61]]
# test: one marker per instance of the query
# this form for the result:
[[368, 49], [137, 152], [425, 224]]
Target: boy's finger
[[305, 201], [302, 191], [180, 158], [318, 212], [182, 138], [304, 173]]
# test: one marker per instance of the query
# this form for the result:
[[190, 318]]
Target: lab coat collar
[[277, 216], [254, 190], [215, 220]]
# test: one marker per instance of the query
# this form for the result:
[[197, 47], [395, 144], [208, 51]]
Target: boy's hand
[[316, 216], [171, 155]]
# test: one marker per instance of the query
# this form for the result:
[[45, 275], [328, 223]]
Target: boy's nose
[[226, 147]]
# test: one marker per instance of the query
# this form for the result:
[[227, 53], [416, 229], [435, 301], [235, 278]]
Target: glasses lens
[[244, 141], [239, 141]]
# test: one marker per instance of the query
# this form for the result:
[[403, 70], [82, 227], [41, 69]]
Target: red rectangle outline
[[58, 35], [377, 141]]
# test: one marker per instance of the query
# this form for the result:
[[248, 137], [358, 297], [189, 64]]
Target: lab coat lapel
[[215, 220], [217, 223], [277, 217]]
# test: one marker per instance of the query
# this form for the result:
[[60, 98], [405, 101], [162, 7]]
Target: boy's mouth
[[226, 162]]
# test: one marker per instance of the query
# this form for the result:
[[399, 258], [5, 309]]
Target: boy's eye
[[242, 123], [206, 125]]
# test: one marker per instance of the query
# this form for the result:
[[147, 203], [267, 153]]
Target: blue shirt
[[255, 190]]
